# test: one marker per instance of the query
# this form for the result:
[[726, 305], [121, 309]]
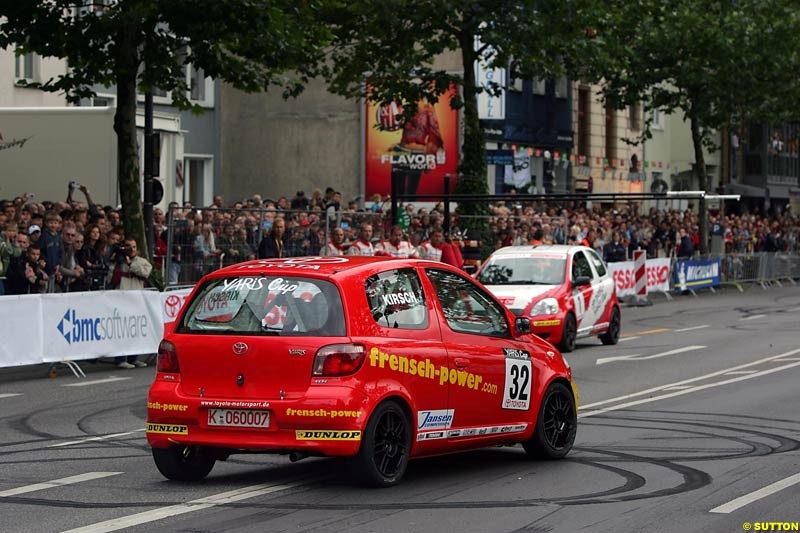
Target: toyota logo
[[172, 306], [240, 348]]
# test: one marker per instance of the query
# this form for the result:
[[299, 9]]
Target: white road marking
[[756, 495], [742, 372], [95, 382], [223, 498], [752, 317], [637, 357], [679, 387], [626, 339], [686, 391], [10, 394], [57, 483], [92, 439], [785, 359], [690, 380], [794, 309], [692, 328]]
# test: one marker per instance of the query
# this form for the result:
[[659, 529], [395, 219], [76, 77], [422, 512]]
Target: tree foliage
[[140, 45], [716, 62], [394, 48]]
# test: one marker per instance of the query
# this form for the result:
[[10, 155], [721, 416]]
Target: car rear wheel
[[183, 463], [555, 426], [611, 336], [385, 446], [569, 334]]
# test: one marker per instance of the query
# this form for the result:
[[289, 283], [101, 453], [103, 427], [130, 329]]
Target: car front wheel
[[569, 334], [556, 425], [385, 447], [611, 336], [183, 463]]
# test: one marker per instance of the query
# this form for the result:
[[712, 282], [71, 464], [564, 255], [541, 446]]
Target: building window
[[657, 122], [25, 67], [584, 124], [611, 134], [635, 117], [539, 87], [561, 87], [201, 88]]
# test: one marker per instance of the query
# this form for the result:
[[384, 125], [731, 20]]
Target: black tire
[[385, 447], [556, 424], [611, 336], [183, 463], [569, 334]]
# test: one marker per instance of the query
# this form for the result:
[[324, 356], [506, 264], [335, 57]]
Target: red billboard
[[418, 152]]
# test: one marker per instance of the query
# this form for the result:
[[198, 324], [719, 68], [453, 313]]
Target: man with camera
[[130, 272]]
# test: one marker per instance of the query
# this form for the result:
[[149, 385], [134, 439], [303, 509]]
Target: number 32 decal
[[519, 377]]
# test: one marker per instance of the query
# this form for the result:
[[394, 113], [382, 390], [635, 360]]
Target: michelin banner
[[701, 274], [84, 325]]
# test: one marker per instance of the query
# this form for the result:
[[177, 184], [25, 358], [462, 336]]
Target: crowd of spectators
[[76, 246]]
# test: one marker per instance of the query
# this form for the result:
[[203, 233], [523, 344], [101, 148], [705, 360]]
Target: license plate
[[241, 418]]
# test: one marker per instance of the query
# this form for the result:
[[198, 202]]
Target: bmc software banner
[[418, 153], [46, 328], [690, 275], [624, 273]]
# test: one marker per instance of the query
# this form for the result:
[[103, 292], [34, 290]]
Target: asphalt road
[[691, 423]]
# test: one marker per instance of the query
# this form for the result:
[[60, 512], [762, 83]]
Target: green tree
[[717, 62], [392, 48], [139, 45]]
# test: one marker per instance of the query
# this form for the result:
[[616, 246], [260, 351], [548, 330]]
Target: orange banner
[[418, 153]]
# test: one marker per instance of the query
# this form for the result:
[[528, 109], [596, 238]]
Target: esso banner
[[624, 273]]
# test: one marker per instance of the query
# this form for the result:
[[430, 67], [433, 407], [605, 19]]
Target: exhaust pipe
[[297, 456]]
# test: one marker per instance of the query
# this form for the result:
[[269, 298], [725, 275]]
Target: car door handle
[[461, 362]]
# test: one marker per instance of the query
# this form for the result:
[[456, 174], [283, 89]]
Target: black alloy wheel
[[556, 425], [183, 463], [569, 334], [611, 336], [385, 446]]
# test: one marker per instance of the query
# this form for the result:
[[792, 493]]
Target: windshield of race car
[[523, 270]]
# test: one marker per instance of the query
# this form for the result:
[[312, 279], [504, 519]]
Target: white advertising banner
[[47, 328], [20, 330], [624, 275], [96, 324]]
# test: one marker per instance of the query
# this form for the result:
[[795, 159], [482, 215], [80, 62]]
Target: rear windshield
[[265, 305], [513, 270]]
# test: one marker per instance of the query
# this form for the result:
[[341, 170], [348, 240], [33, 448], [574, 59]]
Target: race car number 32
[[517, 392]]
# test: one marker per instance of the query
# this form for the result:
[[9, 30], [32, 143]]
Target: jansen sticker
[[439, 419], [519, 377]]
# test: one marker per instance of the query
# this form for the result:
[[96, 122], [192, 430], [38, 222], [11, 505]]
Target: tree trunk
[[704, 180], [127, 54]]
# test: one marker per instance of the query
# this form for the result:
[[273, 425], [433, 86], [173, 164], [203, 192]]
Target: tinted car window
[[396, 299], [598, 263], [523, 270], [580, 266], [467, 309], [265, 305]]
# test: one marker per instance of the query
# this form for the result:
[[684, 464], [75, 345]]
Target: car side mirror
[[523, 324], [580, 281]]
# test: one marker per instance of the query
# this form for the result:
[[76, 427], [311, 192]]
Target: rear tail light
[[168, 358], [339, 360]]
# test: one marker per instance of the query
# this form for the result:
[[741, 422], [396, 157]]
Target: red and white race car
[[566, 291], [377, 359]]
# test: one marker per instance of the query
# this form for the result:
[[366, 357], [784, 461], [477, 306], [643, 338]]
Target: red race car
[[376, 359], [566, 291]]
